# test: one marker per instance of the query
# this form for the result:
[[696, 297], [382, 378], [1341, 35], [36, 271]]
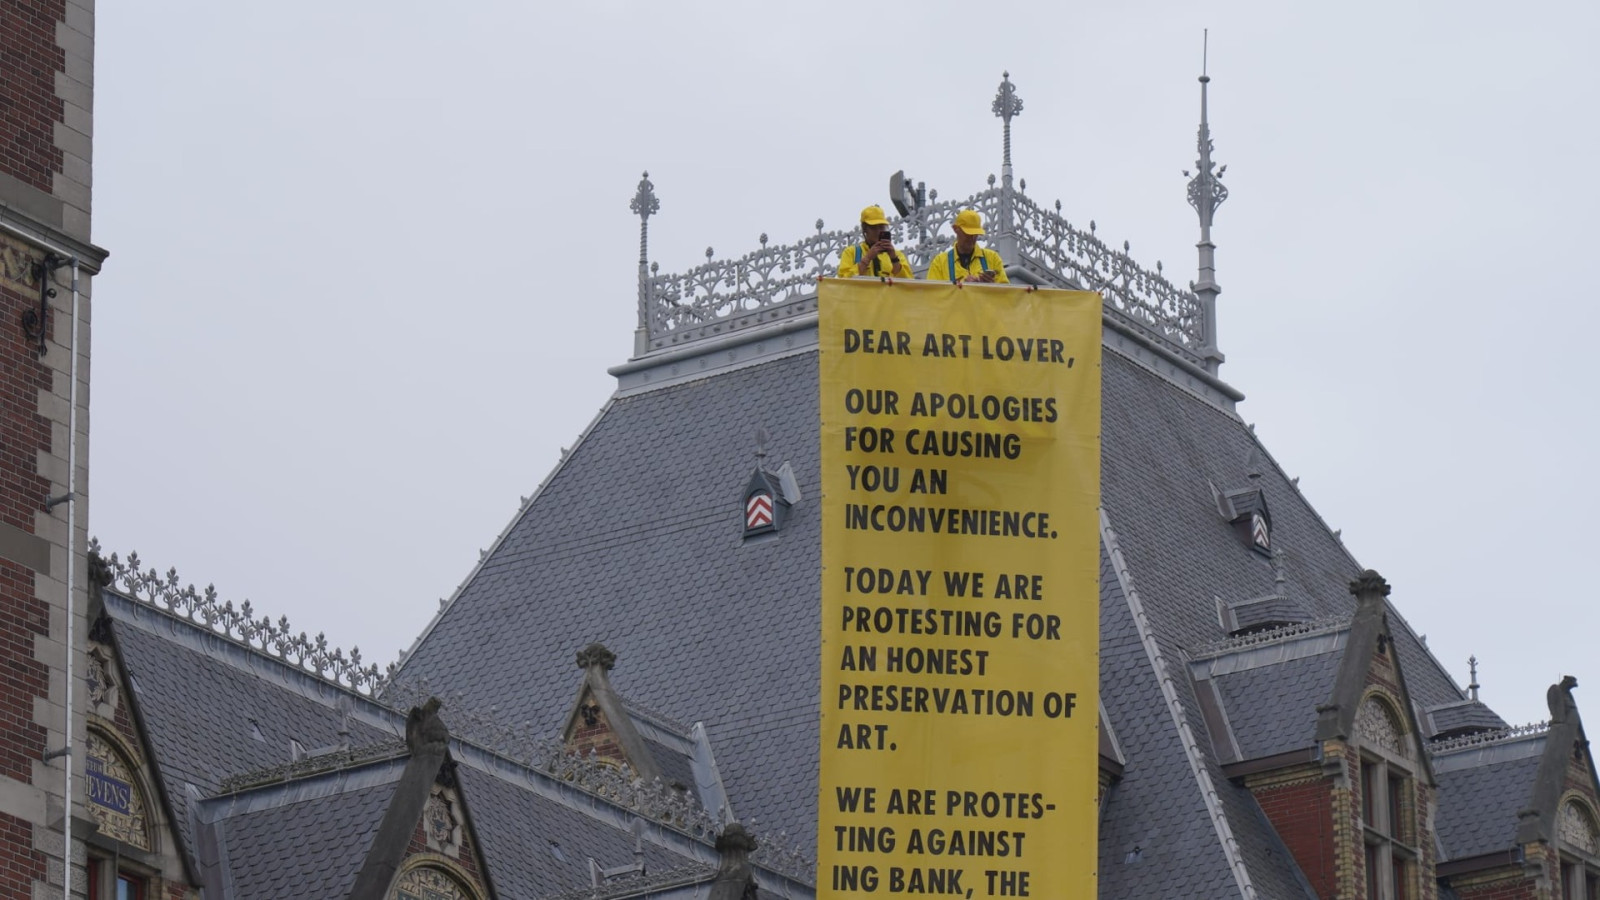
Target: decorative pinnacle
[[1007, 105], [1472, 666], [644, 206], [1206, 190]]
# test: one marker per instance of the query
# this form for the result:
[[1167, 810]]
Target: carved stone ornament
[[1576, 829], [103, 691], [596, 655], [113, 795], [428, 883], [441, 822], [1376, 728]]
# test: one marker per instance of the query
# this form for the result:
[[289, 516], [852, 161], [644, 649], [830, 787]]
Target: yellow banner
[[960, 590]]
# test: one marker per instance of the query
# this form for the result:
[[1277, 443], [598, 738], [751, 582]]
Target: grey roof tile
[[307, 848], [198, 709], [1273, 709], [537, 847], [636, 542], [1478, 804]]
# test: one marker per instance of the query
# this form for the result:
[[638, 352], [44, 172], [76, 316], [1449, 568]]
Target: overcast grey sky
[[371, 259]]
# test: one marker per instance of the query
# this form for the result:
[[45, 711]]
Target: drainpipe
[[70, 498]]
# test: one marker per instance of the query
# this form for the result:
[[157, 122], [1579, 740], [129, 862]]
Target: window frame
[[1389, 815], [1578, 867], [109, 871]]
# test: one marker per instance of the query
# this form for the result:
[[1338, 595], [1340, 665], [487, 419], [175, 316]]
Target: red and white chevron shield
[[758, 511], [1258, 532]]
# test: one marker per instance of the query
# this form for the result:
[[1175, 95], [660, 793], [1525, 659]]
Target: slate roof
[[539, 848], [306, 829], [1480, 792], [1272, 709], [310, 842], [1463, 717], [634, 541], [202, 713]]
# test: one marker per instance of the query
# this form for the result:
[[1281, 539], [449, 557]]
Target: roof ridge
[[618, 785], [483, 557], [1207, 787], [1487, 738], [1270, 636], [273, 640], [317, 764]]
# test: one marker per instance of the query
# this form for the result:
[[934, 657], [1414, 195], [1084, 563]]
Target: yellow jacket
[[947, 266], [850, 261]]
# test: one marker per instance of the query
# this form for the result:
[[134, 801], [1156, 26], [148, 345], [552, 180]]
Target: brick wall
[[20, 865], [1302, 814], [23, 433], [465, 858], [598, 737], [29, 105]]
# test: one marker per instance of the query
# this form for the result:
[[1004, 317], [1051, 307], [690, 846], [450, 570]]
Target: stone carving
[[441, 821], [425, 732], [17, 265], [1576, 829], [1562, 707], [596, 655], [104, 694], [1369, 584], [429, 883], [1376, 727], [115, 801], [735, 876]]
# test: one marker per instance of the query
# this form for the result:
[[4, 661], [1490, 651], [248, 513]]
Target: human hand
[[987, 277]]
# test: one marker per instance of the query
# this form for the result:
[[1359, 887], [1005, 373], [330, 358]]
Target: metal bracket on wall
[[35, 322], [52, 754]]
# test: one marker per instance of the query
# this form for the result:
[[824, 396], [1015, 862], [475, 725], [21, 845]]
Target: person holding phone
[[875, 255], [966, 261]]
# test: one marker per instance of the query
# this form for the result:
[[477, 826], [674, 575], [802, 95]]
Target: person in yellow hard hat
[[966, 261], [875, 254]]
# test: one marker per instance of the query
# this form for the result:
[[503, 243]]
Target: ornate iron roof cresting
[[778, 281]]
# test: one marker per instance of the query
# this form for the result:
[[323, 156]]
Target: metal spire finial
[[1206, 193], [644, 206], [1007, 105], [1472, 665]]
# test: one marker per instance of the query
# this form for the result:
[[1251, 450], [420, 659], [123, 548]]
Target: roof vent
[[1246, 509], [768, 495], [1241, 617]]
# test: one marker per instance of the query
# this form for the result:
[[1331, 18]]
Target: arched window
[[1578, 846], [432, 880], [116, 800], [1388, 802]]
